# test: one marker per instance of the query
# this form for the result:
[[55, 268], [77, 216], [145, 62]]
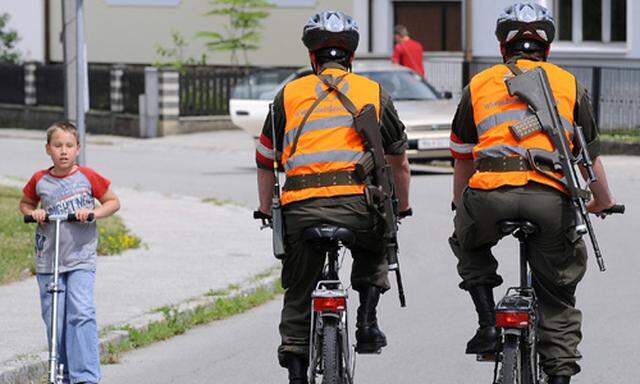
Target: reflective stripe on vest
[[323, 157], [494, 111], [511, 117], [328, 142], [316, 125]]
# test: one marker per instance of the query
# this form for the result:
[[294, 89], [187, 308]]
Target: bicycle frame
[[329, 301], [517, 317]]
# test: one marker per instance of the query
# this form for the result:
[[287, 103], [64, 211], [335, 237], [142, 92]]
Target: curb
[[29, 369], [620, 148]]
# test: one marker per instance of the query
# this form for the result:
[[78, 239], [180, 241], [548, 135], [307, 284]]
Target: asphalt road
[[426, 339]]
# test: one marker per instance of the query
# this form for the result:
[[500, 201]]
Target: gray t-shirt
[[60, 196]]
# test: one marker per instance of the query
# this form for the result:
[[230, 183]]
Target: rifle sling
[[333, 85], [513, 67]]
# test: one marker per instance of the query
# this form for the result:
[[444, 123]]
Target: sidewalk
[[189, 248]]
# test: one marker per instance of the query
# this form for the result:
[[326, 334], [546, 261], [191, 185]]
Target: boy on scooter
[[62, 189]]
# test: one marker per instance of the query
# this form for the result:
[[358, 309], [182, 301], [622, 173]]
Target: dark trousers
[[557, 257], [302, 265]]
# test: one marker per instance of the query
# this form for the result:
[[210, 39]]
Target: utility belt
[[317, 180], [360, 175], [508, 164]]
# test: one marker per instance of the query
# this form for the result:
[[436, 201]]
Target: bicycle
[[330, 353], [517, 316], [55, 373]]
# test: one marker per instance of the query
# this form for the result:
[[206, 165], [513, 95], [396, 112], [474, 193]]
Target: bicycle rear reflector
[[512, 319], [329, 304]]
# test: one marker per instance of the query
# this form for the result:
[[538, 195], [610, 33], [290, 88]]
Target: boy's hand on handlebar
[[83, 215], [39, 215]]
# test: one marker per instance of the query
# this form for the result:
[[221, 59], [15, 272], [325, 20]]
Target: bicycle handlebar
[[616, 209], [405, 213], [267, 220], [70, 218]]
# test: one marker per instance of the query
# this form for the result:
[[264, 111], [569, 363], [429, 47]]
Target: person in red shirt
[[407, 51]]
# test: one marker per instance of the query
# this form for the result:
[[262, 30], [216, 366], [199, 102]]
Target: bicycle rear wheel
[[511, 363], [331, 353], [529, 361]]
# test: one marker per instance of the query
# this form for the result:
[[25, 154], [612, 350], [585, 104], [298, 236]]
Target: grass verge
[[115, 237], [17, 239], [220, 202], [177, 323], [622, 137]]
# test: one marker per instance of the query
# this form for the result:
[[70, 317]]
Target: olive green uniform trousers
[[302, 264], [556, 254]]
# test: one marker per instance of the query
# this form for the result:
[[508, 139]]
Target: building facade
[[129, 31]]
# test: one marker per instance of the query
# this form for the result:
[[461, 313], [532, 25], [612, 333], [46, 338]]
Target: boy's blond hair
[[63, 126]]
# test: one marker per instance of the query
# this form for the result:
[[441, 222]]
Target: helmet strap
[[312, 57]]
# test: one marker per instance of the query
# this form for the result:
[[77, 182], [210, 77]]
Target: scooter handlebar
[[70, 217]]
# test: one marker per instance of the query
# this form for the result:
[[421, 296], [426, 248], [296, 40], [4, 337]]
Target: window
[[564, 19], [618, 20], [591, 20]]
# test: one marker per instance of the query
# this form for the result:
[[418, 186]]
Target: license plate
[[433, 143]]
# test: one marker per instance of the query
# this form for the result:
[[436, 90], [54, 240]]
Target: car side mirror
[[447, 95]]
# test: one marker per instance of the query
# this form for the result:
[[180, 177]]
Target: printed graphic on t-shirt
[[70, 199], [40, 241]]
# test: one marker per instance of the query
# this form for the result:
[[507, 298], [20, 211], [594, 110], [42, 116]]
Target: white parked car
[[426, 113]]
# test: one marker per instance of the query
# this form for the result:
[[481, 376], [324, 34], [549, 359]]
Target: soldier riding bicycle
[[317, 145]]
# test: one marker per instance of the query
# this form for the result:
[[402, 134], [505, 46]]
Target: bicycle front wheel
[[331, 352]]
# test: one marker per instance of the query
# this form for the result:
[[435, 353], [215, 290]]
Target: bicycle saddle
[[508, 227], [326, 233]]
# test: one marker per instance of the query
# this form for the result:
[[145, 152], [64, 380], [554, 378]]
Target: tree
[[174, 56], [243, 31], [8, 40]]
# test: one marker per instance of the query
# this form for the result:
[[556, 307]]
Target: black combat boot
[[486, 338], [297, 366], [369, 338], [559, 380]]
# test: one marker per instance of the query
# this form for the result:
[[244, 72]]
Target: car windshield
[[261, 85], [403, 85]]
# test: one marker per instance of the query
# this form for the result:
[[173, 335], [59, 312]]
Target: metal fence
[[100, 87], [615, 92], [11, 84], [207, 90], [50, 84], [132, 87]]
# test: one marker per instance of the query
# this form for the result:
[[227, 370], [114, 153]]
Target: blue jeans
[[77, 329]]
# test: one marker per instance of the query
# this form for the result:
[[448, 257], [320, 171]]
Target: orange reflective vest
[[328, 142], [494, 111]]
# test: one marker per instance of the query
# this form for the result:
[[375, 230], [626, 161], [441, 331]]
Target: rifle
[[275, 221], [380, 194], [533, 88]]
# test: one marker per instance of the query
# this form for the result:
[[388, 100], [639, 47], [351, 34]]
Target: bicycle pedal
[[486, 357], [368, 351]]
